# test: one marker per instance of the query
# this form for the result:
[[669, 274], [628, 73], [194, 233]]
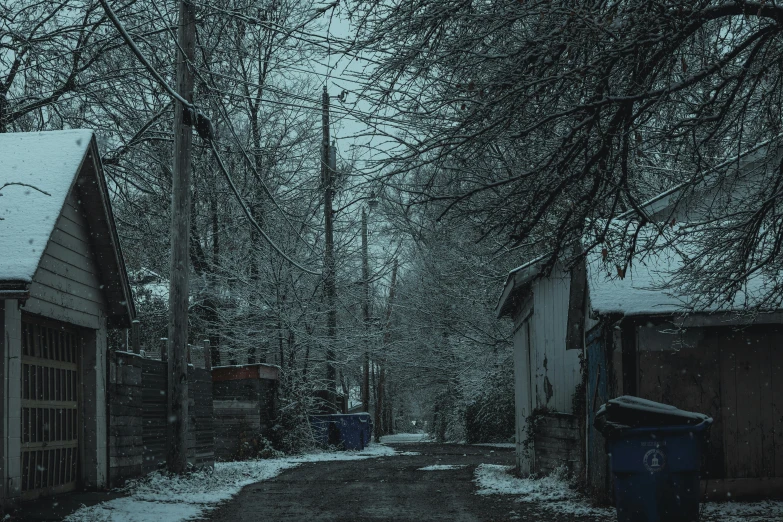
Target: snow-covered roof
[[650, 284], [641, 291], [516, 279], [46, 165], [630, 294]]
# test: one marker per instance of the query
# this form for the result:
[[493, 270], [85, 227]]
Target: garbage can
[[350, 432], [655, 457]]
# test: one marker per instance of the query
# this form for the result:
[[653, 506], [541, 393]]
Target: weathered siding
[[555, 369], [154, 420], [126, 407], [556, 442], [202, 413], [67, 284], [243, 409], [522, 387], [731, 375]]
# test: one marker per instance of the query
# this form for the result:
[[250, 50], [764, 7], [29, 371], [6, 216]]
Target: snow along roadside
[[179, 498], [552, 493]]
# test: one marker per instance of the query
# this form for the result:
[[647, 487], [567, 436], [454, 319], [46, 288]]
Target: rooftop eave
[[518, 279], [14, 290]]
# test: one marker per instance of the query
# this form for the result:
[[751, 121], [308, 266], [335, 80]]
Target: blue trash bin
[[350, 431], [656, 472]]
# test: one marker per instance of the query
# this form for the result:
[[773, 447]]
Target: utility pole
[[329, 283], [381, 417], [176, 457], [366, 314]]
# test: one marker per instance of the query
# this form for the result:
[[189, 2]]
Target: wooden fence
[[138, 418]]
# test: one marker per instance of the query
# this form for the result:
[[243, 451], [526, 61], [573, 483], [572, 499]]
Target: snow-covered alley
[[399, 481]]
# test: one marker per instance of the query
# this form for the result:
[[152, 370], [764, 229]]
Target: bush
[[489, 416], [253, 445], [292, 432]]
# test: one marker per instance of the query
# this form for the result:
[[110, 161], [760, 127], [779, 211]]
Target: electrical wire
[[129, 41], [206, 136], [248, 214]]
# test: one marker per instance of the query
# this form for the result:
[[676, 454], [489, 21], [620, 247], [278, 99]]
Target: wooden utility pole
[[329, 284], [381, 427], [176, 457], [366, 315]]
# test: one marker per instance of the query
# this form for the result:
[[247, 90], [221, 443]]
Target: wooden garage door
[[50, 413]]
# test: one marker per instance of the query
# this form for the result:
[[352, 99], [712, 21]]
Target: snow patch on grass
[[551, 492], [159, 496], [441, 467]]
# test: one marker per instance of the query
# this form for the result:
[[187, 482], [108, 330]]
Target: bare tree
[[538, 117]]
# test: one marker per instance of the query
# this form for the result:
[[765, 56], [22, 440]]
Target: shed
[[584, 335], [62, 285]]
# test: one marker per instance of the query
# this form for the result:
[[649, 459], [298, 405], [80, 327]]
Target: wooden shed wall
[[555, 369], [735, 376], [67, 284]]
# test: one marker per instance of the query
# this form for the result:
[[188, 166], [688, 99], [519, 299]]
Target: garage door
[[50, 412]]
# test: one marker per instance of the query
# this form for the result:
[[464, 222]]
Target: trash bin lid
[[632, 412]]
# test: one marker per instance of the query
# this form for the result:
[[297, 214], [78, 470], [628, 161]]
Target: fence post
[[207, 355], [135, 336], [164, 350]]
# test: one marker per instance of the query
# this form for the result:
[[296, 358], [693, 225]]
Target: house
[[63, 284], [584, 334]]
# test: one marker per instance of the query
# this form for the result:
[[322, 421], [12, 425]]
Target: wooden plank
[[67, 270], [70, 250], [72, 209], [776, 366], [53, 311], [576, 307], [748, 409], [67, 224], [765, 402], [66, 300], [731, 439], [69, 286], [742, 489]]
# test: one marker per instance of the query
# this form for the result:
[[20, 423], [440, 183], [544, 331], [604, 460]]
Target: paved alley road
[[382, 489]]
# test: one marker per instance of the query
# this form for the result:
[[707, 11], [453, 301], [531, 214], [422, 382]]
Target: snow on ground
[[509, 445], [743, 511], [441, 467], [178, 498], [405, 437], [553, 493]]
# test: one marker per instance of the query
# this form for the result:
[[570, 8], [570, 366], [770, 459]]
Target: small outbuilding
[[245, 399], [590, 332], [63, 284]]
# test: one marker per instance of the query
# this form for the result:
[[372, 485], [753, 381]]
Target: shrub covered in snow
[[489, 416]]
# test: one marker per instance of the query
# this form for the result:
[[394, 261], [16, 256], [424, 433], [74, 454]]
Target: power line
[[204, 129]]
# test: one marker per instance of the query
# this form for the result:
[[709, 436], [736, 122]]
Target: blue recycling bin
[[347, 431], [656, 472]]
